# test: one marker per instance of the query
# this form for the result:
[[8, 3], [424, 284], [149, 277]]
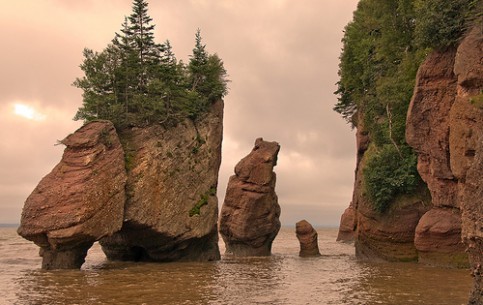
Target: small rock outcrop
[[307, 236], [80, 201], [249, 220], [171, 206]]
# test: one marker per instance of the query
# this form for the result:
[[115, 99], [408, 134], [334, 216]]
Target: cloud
[[281, 57]]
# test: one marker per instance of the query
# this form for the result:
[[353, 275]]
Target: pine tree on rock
[[138, 38], [198, 62], [207, 76], [137, 82]]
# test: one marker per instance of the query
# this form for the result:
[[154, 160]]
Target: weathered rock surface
[[348, 225], [348, 221], [450, 157], [466, 150], [81, 200], [388, 236], [472, 221], [438, 238], [380, 237], [429, 129], [249, 219], [171, 209], [307, 236], [427, 125]]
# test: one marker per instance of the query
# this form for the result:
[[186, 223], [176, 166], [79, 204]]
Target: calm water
[[284, 278]]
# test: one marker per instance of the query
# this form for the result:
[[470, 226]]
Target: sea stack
[[249, 219], [307, 236], [153, 198], [171, 209], [80, 201]]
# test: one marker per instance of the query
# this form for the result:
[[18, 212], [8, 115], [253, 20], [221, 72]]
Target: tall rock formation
[[445, 126], [307, 236], [428, 129], [466, 149], [151, 198], [171, 208], [80, 201], [249, 219]]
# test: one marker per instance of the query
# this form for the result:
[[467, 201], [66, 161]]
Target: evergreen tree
[[137, 40], [207, 78], [198, 62], [136, 82]]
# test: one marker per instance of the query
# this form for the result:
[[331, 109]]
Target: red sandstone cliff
[[445, 127]]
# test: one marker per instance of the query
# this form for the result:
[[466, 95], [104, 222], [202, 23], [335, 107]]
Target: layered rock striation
[[249, 219], [81, 200], [307, 236], [153, 197]]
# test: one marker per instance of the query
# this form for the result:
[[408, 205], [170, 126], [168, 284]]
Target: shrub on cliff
[[135, 81], [389, 172]]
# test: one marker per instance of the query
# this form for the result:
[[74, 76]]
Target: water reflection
[[335, 278], [410, 283], [248, 280], [117, 283]]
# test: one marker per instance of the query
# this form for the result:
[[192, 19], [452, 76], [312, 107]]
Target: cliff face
[[449, 151], [445, 127], [151, 198], [466, 150], [81, 200], [171, 209], [428, 131], [388, 236]]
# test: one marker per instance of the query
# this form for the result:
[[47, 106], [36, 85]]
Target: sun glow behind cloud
[[28, 112]]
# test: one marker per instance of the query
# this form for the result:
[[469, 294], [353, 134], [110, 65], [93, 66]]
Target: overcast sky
[[281, 57]]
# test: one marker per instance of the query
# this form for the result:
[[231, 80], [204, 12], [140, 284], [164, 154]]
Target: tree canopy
[[135, 81]]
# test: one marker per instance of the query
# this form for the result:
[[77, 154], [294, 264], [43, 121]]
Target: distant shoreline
[[9, 225]]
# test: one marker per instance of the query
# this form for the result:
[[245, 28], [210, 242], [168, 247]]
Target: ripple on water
[[284, 278]]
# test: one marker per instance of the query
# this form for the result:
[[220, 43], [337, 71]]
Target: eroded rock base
[[64, 259]]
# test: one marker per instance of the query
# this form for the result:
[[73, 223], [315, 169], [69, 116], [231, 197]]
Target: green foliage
[[383, 47], [388, 174], [441, 23], [375, 45], [196, 210], [137, 82], [377, 70], [477, 100]]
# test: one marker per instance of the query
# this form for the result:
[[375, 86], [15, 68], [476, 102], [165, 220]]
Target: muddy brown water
[[283, 278]]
